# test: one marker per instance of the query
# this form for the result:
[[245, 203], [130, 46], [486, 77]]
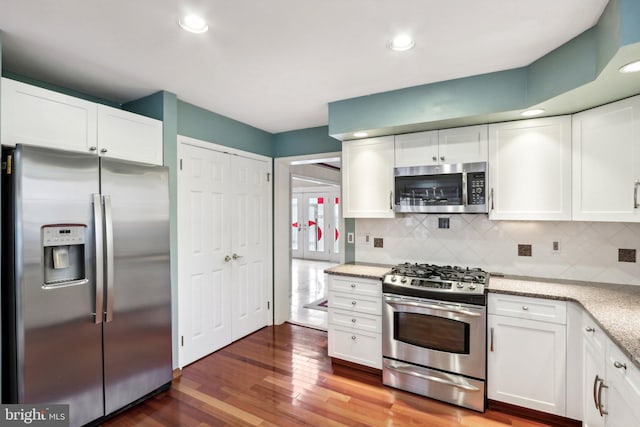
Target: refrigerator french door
[[86, 297]]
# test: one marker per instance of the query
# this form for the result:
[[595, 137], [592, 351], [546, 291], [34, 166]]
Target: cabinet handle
[[596, 380], [491, 345], [227, 258], [353, 320], [434, 158], [590, 329], [525, 308], [93, 148], [353, 302], [103, 150], [600, 410], [391, 200], [620, 365], [635, 193], [442, 158], [353, 285], [353, 337]]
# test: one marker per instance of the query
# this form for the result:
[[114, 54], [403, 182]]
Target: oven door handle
[[442, 307], [408, 371]]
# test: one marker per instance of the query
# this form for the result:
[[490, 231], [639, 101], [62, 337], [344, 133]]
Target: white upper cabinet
[[416, 149], [606, 162], [457, 145], [36, 116], [463, 145], [129, 136], [367, 178], [530, 169]]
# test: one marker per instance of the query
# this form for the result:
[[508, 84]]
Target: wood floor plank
[[281, 376]]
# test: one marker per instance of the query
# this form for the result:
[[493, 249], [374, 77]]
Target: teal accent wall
[[630, 27], [481, 94], [196, 122], [305, 141], [573, 64], [150, 106], [60, 89]]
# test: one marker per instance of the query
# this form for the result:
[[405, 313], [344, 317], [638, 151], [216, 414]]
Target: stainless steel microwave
[[452, 188]]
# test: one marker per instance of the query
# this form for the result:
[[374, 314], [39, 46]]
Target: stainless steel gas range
[[434, 332]]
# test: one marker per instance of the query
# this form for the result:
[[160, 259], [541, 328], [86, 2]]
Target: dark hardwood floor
[[281, 376]]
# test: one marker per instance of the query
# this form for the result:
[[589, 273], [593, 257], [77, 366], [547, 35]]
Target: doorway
[[315, 219]]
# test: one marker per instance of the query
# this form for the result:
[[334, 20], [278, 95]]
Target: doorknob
[[227, 258], [236, 256]]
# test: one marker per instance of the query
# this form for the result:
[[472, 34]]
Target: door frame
[[182, 225], [282, 231]]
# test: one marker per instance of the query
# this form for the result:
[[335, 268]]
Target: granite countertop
[[364, 270], [616, 308]]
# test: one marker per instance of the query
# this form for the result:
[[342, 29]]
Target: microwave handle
[[464, 189], [391, 200], [491, 198]]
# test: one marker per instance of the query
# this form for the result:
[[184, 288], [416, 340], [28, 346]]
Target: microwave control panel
[[475, 188]]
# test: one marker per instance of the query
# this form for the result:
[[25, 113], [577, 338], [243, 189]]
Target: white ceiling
[[277, 64]]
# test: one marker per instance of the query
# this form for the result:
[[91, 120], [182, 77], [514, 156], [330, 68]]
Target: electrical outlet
[[443, 222], [367, 238], [350, 237], [377, 242], [555, 247], [626, 255]]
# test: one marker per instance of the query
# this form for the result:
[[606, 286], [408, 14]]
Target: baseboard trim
[[177, 373], [532, 414]]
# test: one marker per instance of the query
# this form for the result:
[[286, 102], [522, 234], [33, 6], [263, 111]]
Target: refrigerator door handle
[[99, 242], [108, 231]]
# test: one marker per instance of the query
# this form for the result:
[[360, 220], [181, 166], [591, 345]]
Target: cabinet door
[[623, 393], [36, 116], [530, 169], [367, 178], [463, 145], [593, 375], [129, 136], [606, 162], [526, 363], [416, 149]]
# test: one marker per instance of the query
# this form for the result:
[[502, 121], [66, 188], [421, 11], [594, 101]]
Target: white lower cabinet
[[610, 383], [526, 359], [355, 320]]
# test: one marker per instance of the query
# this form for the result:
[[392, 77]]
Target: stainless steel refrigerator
[[86, 310]]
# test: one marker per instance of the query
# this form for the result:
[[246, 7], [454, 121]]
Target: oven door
[[436, 334]]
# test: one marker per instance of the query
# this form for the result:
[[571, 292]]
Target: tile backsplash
[[584, 250]]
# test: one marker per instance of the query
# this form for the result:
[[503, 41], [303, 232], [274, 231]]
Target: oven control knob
[[403, 280], [394, 278], [472, 287], [459, 285]]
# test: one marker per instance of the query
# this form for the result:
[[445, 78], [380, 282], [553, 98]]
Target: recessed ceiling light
[[534, 112], [401, 43], [193, 24], [632, 67], [360, 134]]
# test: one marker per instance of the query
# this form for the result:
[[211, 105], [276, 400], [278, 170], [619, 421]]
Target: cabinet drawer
[[360, 347], [592, 333], [355, 303], [355, 285], [355, 320], [528, 308]]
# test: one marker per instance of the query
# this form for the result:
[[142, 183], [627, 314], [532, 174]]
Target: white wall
[[588, 250]]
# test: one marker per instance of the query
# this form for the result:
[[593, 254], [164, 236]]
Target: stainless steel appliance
[[450, 188], [85, 280], [434, 332]]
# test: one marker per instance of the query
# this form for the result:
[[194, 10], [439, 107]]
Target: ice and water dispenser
[[63, 255]]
